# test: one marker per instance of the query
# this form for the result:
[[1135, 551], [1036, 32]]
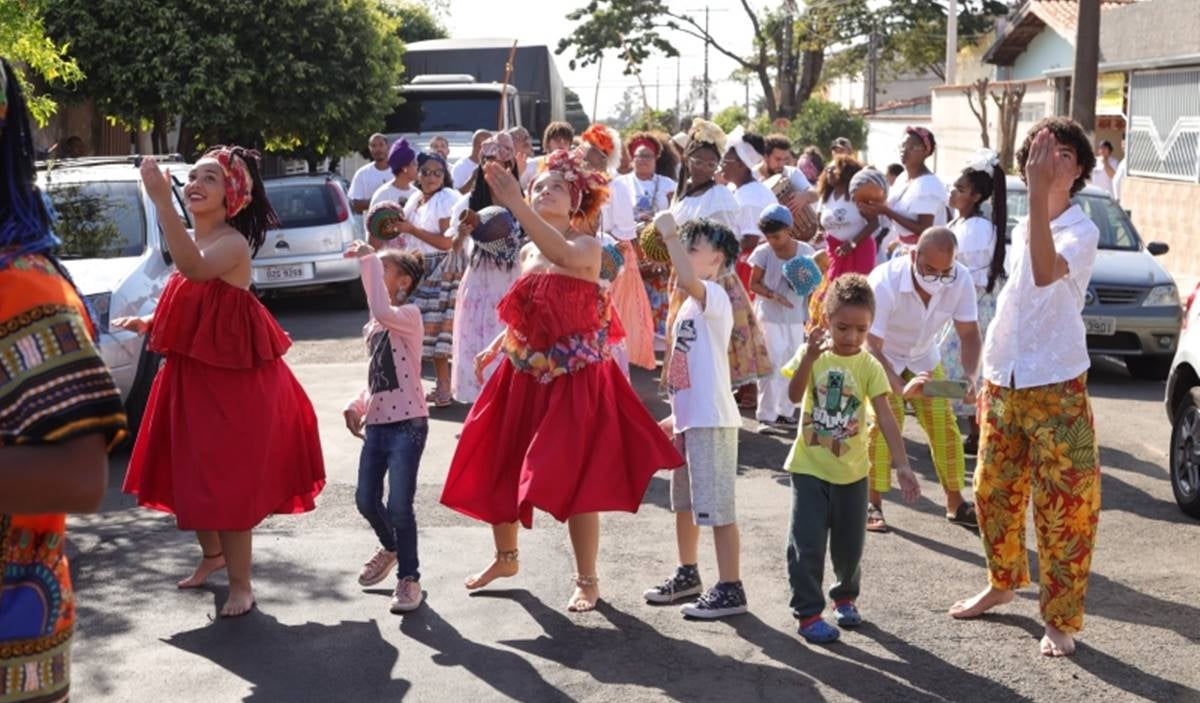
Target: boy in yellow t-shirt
[[835, 379]]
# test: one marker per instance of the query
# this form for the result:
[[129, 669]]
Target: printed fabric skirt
[[659, 293], [483, 286], [435, 297], [951, 348]]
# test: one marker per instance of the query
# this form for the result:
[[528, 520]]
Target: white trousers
[[783, 341]]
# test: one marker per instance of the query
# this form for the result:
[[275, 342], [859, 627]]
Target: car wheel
[[135, 403], [1151, 367], [355, 295], [1185, 454]]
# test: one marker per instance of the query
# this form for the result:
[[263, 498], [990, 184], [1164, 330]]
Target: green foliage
[[731, 117], [306, 77], [84, 224], [819, 122], [633, 26], [415, 22], [23, 38]]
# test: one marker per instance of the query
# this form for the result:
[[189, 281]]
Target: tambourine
[[803, 274], [384, 219]]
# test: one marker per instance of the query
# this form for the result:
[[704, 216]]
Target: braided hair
[[24, 220], [254, 220]]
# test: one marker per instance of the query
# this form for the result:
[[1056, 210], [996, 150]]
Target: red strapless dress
[[229, 436], [557, 427]]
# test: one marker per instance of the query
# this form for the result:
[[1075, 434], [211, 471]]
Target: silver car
[[1131, 309], [113, 248], [307, 251]]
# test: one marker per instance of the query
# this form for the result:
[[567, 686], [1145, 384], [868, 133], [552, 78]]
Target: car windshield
[[1116, 231], [98, 219], [303, 204], [464, 111]]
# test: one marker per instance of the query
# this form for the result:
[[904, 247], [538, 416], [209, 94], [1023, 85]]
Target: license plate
[[275, 274], [1100, 326]]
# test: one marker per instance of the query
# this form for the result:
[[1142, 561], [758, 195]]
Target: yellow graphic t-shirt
[[832, 442]]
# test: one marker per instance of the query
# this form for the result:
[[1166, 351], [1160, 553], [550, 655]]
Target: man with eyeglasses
[[916, 297]]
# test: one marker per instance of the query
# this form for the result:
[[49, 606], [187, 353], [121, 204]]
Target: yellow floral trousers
[[1040, 441]]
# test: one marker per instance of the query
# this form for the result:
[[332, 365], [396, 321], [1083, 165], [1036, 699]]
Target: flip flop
[[875, 521], [965, 515]]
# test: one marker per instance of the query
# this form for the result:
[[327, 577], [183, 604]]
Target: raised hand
[[665, 223], [817, 343], [506, 190], [156, 181]]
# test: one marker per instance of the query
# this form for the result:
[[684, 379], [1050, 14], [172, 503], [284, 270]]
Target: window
[[98, 219], [303, 205], [1031, 112], [1116, 231], [1164, 125], [444, 111]]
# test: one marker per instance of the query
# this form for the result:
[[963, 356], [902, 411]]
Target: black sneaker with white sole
[[684, 584], [722, 600]]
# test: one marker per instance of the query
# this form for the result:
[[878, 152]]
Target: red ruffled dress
[[557, 427], [229, 436]]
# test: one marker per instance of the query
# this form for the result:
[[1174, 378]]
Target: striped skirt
[[435, 298]]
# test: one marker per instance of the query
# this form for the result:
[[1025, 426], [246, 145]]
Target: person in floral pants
[[1037, 430]]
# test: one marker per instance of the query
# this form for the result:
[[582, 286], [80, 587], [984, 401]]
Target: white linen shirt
[[616, 215], [716, 203], [1037, 337], [462, 171], [752, 198], [909, 328]]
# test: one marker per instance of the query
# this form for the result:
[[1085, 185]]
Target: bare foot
[[1056, 643], [239, 602], [204, 569], [980, 603], [586, 595], [499, 568]]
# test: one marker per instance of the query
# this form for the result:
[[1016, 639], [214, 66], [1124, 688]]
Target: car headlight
[[100, 304], [1162, 296]]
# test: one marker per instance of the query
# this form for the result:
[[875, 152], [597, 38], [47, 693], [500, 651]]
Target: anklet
[[218, 555], [508, 556], [586, 581]]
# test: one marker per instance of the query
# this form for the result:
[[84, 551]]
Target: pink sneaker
[[408, 595], [377, 567]]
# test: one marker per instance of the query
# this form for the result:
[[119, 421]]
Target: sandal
[[965, 515], [875, 521], [582, 605]]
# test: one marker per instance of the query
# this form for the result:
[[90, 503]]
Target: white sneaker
[[377, 567], [408, 595]]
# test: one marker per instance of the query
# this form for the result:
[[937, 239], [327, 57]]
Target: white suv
[[113, 248], [1183, 409]]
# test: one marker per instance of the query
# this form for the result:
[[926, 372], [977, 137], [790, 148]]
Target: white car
[[307, 251], [113, 248], [1183, 409]]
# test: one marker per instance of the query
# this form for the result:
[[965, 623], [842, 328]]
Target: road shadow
[[635, 653], [1106, 598], [1116, 494], [1108, 378], [506, 672], [317, 317], [299, 663]]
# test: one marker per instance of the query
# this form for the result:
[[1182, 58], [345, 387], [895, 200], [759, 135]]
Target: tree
[[415, 21], [790, 44], [819, 122], [24, 39], [627, 110], [978, 92], [304, 77], [731, 117]]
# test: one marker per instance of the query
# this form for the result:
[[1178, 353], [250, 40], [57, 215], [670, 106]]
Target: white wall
[[957, 129], [884, 137], [1048, 51]]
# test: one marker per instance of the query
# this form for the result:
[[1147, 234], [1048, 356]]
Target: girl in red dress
[[229, 437], [557, 427]]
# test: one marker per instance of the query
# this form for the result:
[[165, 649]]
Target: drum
[[804, 222]]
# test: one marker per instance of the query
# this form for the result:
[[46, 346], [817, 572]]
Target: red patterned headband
[[649, 142], [238, 183]]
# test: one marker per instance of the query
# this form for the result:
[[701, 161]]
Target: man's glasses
[[935, 276]]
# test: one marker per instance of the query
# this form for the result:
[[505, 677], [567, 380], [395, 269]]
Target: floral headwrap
[[238, 183], [707, 133], [924, 135], [500, 147], [597, 135], [588, 189]]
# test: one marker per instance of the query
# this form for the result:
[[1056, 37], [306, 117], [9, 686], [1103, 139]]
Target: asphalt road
[[317, 636]]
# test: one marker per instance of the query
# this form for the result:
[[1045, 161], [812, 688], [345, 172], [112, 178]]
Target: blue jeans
[[393, 450]]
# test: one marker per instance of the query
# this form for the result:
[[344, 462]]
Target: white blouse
[[925, 196], [716, 203], [428, 216], [976, 242]]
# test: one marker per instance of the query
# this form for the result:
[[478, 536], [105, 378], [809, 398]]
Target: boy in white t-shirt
[[782, 312], [704, 419]]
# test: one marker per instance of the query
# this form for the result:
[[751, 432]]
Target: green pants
[[825, 513]]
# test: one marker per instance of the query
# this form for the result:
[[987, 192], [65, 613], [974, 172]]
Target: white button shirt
[[1037, 337], [908, 327]]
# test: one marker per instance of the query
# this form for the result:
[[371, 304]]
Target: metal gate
[[1164, 124]]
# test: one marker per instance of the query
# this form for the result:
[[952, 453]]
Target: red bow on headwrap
[[588, 189], [238, 183]]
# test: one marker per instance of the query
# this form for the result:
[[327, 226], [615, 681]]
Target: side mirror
[[1157, 248], [1129, 213]]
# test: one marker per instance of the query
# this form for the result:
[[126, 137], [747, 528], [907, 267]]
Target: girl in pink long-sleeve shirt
[[392, 417]]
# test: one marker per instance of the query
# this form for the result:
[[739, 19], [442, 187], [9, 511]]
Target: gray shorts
[[705, 485]]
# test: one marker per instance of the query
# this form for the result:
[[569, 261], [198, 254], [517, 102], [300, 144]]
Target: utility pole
[[1087, 59], [678, 117], [596, 95], [706, 36], [952, 42], [746, 82], [657, 88], [872, 69]]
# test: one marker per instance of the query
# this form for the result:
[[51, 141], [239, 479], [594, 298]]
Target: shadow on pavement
[[506, 672], [1108, 379], [309, 662], [309, 318], [1106, 598]]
